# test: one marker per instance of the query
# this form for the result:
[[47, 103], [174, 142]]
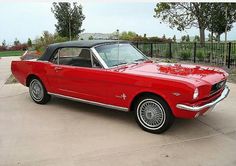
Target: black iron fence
[[213, 53]]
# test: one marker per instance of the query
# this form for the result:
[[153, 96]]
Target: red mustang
[[116, 75]]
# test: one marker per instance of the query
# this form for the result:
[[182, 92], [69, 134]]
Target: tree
[[217, 20], [164, 37], [174, 38], [127, 35], [183, 38], [196, 38], [157, 39], [69, 19], [187, 38], [211, 37], [144, 36], [90, 37], [3, 46], [16, 42], [48, 38], [221, 19], [184, 15], [29, 42], [4, 43]]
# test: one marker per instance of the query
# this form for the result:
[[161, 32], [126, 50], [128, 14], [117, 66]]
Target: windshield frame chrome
[[104, 63]]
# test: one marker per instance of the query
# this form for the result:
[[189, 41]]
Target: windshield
[[118, 54]]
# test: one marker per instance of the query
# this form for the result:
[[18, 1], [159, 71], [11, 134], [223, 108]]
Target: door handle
[[57, 68]]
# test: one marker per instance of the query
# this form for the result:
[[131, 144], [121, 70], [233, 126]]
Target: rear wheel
[[153, 114], [38, 92]]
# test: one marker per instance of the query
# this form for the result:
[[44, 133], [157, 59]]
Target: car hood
[[207, 74]]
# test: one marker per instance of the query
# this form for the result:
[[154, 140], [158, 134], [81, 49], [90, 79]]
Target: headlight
[[196, 93]]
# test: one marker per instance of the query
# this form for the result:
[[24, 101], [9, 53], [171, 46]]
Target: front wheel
[[153, 114], [38, 92]]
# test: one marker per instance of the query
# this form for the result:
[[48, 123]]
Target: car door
[[78, 74]]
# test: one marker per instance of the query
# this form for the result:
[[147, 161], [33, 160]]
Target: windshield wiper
[[141, 59], [137, 61], [122, 63]]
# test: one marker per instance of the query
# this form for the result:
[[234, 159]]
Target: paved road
[[67, 133]]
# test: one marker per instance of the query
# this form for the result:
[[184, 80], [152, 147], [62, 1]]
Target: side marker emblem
[[122, 96], [176, 94]]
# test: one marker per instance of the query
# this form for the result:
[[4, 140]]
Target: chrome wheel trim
[[36, 90], [151, 114]]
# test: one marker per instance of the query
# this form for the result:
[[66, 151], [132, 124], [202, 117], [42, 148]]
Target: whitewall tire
[[38, 92], [153, 114]]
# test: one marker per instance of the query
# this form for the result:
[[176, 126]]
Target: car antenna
[[118, 45]]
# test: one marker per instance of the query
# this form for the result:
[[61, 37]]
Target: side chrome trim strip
[[224, 94], [91, 102]]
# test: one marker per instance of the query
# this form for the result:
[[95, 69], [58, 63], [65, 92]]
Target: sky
[[27, 19]]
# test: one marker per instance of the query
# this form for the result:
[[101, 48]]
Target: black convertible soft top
[[79, 43]]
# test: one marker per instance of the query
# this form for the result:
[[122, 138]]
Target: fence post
[[194, 52], [137, 44], [151, 49], [170, 51], [229, 55]]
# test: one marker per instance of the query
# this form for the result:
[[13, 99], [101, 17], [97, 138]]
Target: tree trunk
[[225, 52], [202, 36]]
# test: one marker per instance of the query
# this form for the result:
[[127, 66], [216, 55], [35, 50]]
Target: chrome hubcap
[[36, 90], [151, 114]]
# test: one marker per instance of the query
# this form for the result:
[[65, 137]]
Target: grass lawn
[[11, 53]]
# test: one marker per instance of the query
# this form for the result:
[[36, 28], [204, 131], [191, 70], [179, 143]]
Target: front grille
[[217, 86]]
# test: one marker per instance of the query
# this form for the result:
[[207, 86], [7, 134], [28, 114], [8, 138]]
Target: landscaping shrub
[[167, 53], [185, 54], [234, 52], [233, 57], [3, 48], [200, 55], [18, 47]]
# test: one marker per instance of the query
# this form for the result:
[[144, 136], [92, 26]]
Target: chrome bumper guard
[[224, 94]]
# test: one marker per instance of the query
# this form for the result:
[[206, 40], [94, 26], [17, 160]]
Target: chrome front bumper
[[224, 94]]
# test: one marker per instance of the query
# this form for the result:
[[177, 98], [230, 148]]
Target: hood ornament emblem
[[122, 96]]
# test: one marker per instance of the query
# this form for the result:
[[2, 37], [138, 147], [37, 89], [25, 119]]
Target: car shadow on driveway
[[93, 111], [183, 128]]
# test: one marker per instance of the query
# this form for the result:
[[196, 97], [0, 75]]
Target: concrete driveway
[[5, 68], [67, 133]]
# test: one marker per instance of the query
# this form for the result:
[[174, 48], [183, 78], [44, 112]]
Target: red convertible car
[[116, 75]]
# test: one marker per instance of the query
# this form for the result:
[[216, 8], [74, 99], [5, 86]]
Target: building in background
[[97, 36]]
